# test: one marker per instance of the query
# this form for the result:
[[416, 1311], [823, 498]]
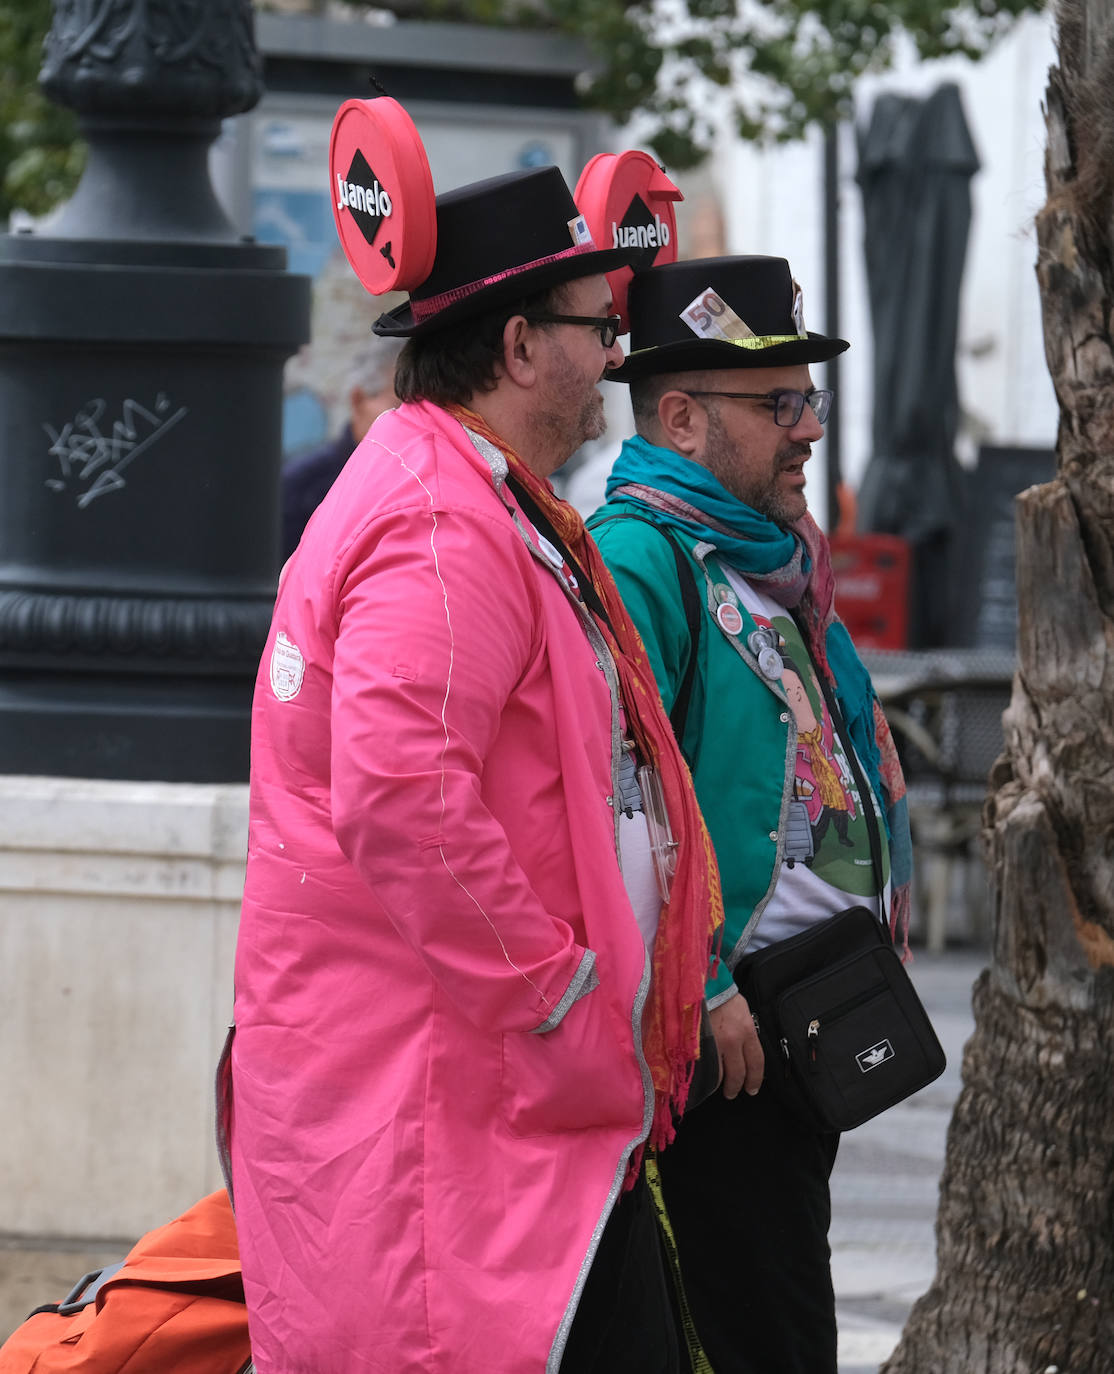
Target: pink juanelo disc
[[628, 202], [382, 195]]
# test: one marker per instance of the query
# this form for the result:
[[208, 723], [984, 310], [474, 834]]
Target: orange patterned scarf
[[693, 915]]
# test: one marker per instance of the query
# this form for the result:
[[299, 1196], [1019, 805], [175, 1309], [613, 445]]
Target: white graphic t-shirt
[[827, 865]]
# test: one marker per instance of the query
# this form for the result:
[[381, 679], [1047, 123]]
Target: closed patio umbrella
[[916, 160]]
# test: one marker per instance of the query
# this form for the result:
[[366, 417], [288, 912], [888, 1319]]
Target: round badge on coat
[[628, 202], [382, 195], [729, 617], [770, 664]]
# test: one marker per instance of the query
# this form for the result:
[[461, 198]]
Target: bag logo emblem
[[288, 668], [877, 1054]]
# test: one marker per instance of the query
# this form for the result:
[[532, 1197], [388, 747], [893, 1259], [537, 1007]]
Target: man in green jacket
[[707, 532]]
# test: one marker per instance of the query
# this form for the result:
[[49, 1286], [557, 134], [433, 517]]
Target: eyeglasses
[[608, 325], [788, 406]]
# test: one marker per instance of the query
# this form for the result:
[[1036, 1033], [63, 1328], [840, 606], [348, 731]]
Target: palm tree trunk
[[1025, 1228]]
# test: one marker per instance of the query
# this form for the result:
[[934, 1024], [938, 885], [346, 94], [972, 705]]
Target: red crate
[[872, 588]]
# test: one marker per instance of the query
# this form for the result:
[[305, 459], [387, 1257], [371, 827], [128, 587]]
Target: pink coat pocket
[[575, 1077]]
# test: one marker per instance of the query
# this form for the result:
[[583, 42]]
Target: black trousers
[[746, 1188], [625, 1322]]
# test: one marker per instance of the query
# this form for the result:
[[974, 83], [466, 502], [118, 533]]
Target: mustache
[[795, 451]]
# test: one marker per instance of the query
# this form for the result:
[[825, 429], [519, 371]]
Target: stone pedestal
[[119, 904]]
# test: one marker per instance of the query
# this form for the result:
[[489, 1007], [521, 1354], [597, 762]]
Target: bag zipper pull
[[813, 1035]]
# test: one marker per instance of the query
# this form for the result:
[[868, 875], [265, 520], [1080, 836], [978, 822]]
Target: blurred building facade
[[772, 203], [459, 84], [745, 199]]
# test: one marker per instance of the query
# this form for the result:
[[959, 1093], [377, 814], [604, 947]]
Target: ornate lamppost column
[[141, 352]]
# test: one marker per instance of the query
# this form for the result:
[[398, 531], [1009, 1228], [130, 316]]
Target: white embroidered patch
[[288, 668]]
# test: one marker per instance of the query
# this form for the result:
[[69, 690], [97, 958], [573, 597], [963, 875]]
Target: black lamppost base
[[140, 434], [154, 730], [142, 344]]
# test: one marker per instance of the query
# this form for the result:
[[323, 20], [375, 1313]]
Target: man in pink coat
[[469, 967]]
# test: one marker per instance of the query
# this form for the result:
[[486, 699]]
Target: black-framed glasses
[[608, 325], [788, 406]]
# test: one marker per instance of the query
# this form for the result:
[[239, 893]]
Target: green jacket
[[734, 713]]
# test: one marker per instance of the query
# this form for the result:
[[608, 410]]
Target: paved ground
[[34, 1274], [885, 1183], [883, 1196]]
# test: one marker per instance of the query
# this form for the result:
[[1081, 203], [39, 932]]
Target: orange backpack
[[175, 1304]]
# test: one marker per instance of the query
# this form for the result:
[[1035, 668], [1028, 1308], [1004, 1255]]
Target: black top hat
[[709, 313], [498, 240]]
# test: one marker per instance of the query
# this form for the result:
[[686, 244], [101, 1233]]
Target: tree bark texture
[[1025, 1227]]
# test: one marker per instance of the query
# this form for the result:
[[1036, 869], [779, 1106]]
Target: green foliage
[[40, 155], [781, 64], [785, 64]]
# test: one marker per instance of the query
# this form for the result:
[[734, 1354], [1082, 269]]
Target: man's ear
[[683, 423], [519, 352]]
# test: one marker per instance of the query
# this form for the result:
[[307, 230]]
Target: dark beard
[[763, 498]]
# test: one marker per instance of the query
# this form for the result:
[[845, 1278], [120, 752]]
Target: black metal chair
[[945, 709]]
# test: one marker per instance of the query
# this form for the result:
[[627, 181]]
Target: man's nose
[[615, 355], [808, 428]]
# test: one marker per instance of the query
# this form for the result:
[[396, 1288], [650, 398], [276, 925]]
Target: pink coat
[[432, 1116]]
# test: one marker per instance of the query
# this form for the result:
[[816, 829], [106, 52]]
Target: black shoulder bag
[[844, 1033]]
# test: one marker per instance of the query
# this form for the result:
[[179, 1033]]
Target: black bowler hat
[[709, 313], [498, 240]]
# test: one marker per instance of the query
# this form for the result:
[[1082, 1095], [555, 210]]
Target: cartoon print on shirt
[[822, 775], [824, 827]]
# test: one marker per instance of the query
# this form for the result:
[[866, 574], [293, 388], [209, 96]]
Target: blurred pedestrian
[[370, 390]]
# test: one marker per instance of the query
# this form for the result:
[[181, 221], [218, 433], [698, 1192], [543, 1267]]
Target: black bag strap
[[690, 601], [542, 522]]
